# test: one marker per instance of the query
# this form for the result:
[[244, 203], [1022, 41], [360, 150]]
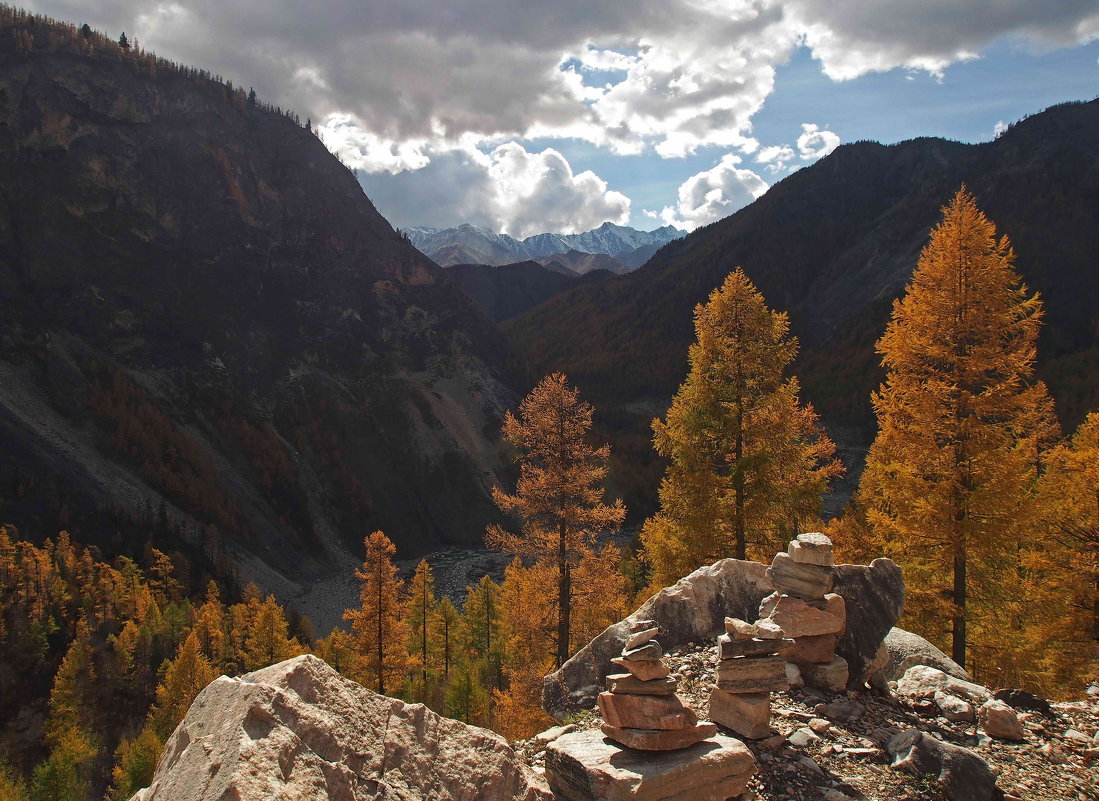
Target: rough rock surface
[[695, 609], [874, 597], [691, 610], [906, 649], [1000, 721], [921, 681], [963, 774], [584, 766], [298, 730]]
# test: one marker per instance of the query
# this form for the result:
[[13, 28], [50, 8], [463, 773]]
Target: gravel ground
[[816, 756]]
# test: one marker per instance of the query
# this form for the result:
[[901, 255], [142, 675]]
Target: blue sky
[[965, 103], [526, 116]]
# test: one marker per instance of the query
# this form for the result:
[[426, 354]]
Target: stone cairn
[[749, 668], [804, 607], [641, 708]]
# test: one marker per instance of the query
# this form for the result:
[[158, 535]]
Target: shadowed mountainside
[[204, 319], [834, 244]]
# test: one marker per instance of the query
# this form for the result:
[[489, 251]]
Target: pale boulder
[[1000, 721], [584, 766], [298, 730]]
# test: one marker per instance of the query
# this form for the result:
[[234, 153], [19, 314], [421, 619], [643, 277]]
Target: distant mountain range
[[626, 248]]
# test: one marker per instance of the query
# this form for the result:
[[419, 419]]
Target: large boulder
[[586, 766], [874, 596], [300, 730], [692, 609], [964, 776], [906, 649]]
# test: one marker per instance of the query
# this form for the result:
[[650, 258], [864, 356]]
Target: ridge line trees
[[747, 460], [379, 624], [558, 494]]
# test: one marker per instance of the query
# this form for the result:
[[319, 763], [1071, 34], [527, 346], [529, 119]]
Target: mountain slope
[[201, 313], [834, 244], [511, 289]]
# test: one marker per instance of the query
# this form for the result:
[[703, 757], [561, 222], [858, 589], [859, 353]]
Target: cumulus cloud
[[507, 189], [713, 194], [816, 142], [775, 157], [402, 83]]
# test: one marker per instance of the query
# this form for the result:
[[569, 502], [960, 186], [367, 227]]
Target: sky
[[527, 116]]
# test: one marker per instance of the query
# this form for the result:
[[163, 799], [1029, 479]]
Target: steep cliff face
[[202, 314]]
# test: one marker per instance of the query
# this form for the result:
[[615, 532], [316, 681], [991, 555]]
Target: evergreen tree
[[481, 623], [185, 677], [449, 618], [747, 462], [381, 631], [124, 43], [558, 494], [954, 459], [421, 618]]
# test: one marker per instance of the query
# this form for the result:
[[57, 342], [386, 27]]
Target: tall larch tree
[[421, 622], [954, 459], [381, 631], [747, 461], [559, 494]]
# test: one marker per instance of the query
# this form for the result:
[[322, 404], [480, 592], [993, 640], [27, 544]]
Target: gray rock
[[907, 649], [1000, 721], [841, 710], [954, 708], [964, 776], [693, 609], [802, 737], [1021, 699], [874, 597], [300, 730]]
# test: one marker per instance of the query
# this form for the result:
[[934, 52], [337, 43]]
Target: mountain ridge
[[833, 244], [474, 244]]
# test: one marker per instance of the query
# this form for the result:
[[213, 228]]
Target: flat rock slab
[[728, 648], [586, 766], [645, 711], [627, 683], [660, 739], [750, 674], [643, 669], [796, 618], [748, 714], [800, 579]]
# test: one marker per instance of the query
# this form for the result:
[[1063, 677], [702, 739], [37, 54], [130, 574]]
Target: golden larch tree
[[559, 494], [954, 461], [1066, 563], [381, 631], [747, 461], [421, 621]]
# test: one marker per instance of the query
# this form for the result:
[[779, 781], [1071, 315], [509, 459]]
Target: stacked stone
[[641, 709], [749, 668], [804, 607]]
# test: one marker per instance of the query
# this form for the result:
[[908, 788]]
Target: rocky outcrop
[[298, 730], [693, 609], [906, 649], [696, 606]]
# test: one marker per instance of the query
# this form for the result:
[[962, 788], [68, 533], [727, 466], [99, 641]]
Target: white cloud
[[775, 157], [816, 142], [507, 189], [713, 194], [999, 129], [398, 84]]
